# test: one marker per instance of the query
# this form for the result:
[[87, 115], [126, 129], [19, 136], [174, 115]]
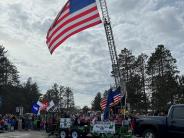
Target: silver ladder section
[[111, 43]]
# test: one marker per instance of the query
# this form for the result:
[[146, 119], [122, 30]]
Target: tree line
[[14, 94], [152, 82], [62, 97]]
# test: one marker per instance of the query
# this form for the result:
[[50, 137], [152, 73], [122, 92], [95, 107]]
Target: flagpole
[[125, 94], [125, 103]]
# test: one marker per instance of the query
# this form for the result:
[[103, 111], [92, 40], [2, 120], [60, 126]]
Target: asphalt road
[[25, 134]]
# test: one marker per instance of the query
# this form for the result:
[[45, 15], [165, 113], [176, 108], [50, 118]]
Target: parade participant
[[94, 119], [1, 123], [13, 123], [76, 122], [26, 122], [118, 120], [38, 123], [125, 123]]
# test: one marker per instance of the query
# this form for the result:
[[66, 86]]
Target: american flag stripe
[[72, 32], [117, 98], [67, 17], [71, 24], [67, 24], [54, 24], [103, 103]]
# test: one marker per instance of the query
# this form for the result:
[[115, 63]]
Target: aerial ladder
[[118, 78]]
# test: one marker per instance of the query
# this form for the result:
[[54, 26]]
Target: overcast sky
[[83, 62]]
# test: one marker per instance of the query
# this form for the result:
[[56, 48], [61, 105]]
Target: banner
[[65, 122], [104, 127]]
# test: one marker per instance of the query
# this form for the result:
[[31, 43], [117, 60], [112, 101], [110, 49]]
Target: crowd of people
[[29, 121], [8, 122]]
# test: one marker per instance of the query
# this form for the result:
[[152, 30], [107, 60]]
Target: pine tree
[[31, 92], [162, 72], [96, 102], [8, 72], [68, 98], [131, 71], [140, 70], [126, 62], [53, 94], [12, 92]]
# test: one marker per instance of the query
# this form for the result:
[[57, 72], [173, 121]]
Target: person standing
[[38, 122]]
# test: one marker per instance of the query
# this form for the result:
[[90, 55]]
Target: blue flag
[[35, 108], [109, 102], [114, 97]]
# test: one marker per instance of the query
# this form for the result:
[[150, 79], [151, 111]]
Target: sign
[[17, 109], [65, 122], [104, 127], [20, 110]]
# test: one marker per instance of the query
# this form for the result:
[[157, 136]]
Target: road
[[25, 134], [28, 134]]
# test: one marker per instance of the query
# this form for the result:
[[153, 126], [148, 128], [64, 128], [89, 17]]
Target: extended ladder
[[119, 80], [111, 43]]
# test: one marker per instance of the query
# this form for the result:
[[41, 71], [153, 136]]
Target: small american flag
[[75, 16], [103, 103], [117, 98]]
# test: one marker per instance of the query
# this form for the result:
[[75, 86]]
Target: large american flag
[[75, 16]]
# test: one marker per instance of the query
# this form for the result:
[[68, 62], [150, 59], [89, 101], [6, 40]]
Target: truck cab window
[[178, 113]]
